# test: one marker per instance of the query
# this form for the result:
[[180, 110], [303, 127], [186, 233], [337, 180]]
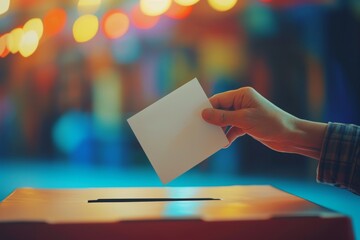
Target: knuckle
[[249, 90], [222, 117]]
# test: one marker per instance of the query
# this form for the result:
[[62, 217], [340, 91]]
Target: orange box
[[234, 212]]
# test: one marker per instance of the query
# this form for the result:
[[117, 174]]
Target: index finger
[[224, 100]]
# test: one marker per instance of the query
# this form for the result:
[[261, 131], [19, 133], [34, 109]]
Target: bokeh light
[[4, 51], [154, 7], [259, 20], [187, 2], [107, 104], [85, 28], [142, 21], [71, 130], [4, 6], [34, 24], [54, 21], [28, 43], [115, 24], [177, 11], [2, 44], [13, 40], [126, 50], [88, 6], [222, 5]]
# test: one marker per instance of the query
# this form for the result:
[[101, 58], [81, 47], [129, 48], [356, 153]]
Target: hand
[[245, 111]]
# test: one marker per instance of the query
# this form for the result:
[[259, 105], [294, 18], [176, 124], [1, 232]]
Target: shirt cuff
[[339, 163]]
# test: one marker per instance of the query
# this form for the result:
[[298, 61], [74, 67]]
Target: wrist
[[306, 137]]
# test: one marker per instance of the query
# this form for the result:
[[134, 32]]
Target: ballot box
[[231, 212]]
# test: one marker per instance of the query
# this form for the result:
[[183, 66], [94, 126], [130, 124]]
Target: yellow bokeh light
[[88, 6], [28, 43], [13, 40], [154, 7], [222, 5], [186, 2], [85, 28], [4, 6], [34, 24]]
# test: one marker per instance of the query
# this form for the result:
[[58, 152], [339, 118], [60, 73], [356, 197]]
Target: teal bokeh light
[[71, 131], [259, 20], [127, 49]]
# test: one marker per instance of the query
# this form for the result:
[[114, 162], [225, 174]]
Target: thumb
[[220, 118]]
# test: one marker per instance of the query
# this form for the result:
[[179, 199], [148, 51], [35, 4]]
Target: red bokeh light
[[177, 11], [142, 21], [5, 53], [54, 21]]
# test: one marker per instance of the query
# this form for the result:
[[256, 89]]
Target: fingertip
[[227, 145], [207, 113]]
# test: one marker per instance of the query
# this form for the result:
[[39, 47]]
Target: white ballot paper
[[173, 134]]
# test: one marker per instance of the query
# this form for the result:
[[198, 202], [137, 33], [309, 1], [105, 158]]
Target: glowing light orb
[[4, 51], [13, 40], [154, 7], [54, 21], [71, 130], [2, 44], [222, 5], [126, 50], [259, 20], [34, 24], [177, 11], [186, 2], [88, 6], [4, 6], [28, 43], [142, 21], [85, 28], [115, 24]]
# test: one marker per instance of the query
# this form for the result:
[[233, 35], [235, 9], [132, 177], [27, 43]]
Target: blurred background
[[72, 72]]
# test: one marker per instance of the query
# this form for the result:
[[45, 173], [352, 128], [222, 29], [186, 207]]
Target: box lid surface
[[235, 203]]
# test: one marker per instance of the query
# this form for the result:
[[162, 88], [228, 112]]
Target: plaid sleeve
[[339, 163]]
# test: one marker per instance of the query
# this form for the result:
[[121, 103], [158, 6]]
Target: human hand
[[245, 111]]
